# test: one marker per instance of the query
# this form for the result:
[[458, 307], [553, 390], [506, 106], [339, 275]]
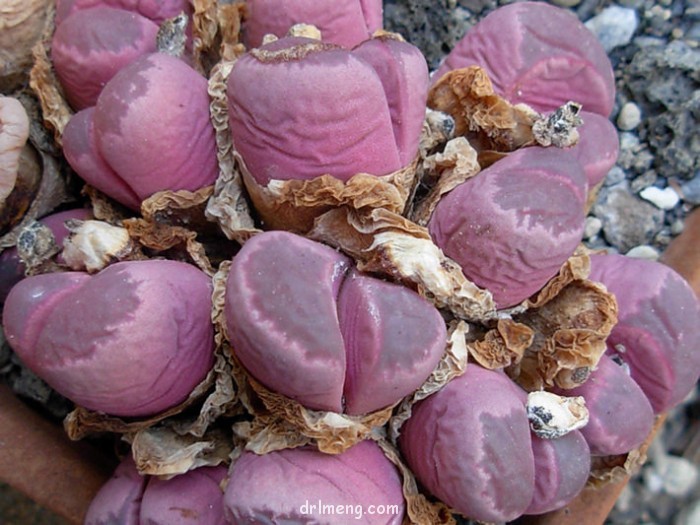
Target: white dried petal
[[92, 244], [552, 416], [305, 30]]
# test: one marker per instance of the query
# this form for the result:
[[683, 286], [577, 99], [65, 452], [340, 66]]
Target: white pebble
[[666, 198], [644, 252], [614, 26], [592, 227], [630, 117], [679, 476]]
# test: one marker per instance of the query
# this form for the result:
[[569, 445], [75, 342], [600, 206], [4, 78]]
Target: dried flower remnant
[[513, 225], [92, 245], [552, 416], [620, 417], [342, 22], [116, 342], [92, 45], [307, 326], [325, 110], [14, 132], [657, 334], [289, 485], [539, 55], [459, 443], [146, 134]]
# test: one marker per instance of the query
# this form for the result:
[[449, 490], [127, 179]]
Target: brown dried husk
[[216, 30], [614, 469], [570, 328], [164, 452], [388, 244], [452, 364], [449, 168], [293, 205], [419, 509], [487, 120], [502, 346]]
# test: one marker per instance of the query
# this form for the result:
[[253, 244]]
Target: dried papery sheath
[[14, 132], [388, 244], [502, 346], [92, 245], [36, 245], [171, 37], [559, 128], [552, 416]]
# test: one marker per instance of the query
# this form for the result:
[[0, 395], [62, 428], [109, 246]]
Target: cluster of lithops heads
[[303, 323]]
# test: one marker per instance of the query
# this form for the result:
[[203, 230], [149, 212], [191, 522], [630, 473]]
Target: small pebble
[[566, 3], [646, 179], [679, 476], [630, 117], [665, 199], [689, 515], [592, 227], [615, 176], [691, 190], [614, 26], [644, 252], [677, 227]]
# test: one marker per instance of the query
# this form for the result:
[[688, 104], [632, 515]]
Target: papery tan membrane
[[385, 243]]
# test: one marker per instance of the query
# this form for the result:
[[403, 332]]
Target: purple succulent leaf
[[320, 110], [118, 502], [156, 10], [657, 332], [597, 148], [512, 226], [342, 22], [562, 466], [538, 54], [287, 486], [92, 45], [620, 416], [393, 337], [132, 340], [461, 444]]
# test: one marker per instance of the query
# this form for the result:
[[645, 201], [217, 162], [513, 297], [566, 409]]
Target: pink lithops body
[[282, 319], [156, 10], [657, 334], [320, 110], [540, 55], [512, 226], [151, 128], [393, 341], [469, 445], [305, 329], [620, 416], [92, 45], [303, 485], [342, 22], [193, 498], [119, 499], [562, 466], [132, 340], [597, 148]]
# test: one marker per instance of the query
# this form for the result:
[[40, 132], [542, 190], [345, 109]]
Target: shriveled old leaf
[[576, 268], [613, 469], [503, 345], [294, 204], [383, 242], [489, 121]]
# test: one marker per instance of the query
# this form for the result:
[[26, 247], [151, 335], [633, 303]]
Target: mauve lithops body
[[119, 499], [657, 334], [92, 45], [512, 226], [562, 466], [305, 329], [342, 22], [469, 444], [132, 340], [620, 416], [287, 486], [597, 148], [156, 10], [150, 131], [323, 110], [538, 54]]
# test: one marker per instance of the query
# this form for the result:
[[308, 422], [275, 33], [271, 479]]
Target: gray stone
[[679, 476], [592, 227], [615, 176], [614, 26], [645, 180], [677, 227], [630, 117], [627, 220], [691, 190]]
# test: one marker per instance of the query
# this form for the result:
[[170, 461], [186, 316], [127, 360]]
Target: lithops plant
[[129, 498], [326, 110], [657, 334], [512, 226], [156, 10], [143, 110], [119, 341], [301, 485], [307, 326], [91, 45], [345, 23], [540, 55]]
